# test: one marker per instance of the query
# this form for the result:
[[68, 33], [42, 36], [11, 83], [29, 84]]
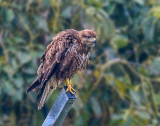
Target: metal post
[[60, 109]]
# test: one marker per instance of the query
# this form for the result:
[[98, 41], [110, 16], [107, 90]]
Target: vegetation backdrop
[[120, 86]]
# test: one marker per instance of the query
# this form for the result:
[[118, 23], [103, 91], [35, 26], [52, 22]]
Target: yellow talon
[[69, 87]]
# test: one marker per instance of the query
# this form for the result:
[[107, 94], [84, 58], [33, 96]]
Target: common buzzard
[[68, 53]]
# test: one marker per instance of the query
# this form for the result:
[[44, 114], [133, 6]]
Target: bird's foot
[[69, 87]]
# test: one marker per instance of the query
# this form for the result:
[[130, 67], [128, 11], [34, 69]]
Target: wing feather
[[52, 57]]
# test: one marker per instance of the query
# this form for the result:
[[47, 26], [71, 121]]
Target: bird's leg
[[69, 87]]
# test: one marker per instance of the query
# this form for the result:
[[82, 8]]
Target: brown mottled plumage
[[65, 55]]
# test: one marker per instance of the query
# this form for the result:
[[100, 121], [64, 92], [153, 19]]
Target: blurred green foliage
[[120, 86]]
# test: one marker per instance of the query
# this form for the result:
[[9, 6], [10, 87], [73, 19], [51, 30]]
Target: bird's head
[[88, 37]]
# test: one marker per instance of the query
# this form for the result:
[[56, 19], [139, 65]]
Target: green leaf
[[154, 67], [148, 29], [144, 115], [120, 88], [7, 14], [42, 24], [17, 95], [119, 41], [141, 2], [24, 57], [46, 3], [96, 107], [135, 97], [18, 81], [67, 12], [157, 98], [155, 11], [8, 88]]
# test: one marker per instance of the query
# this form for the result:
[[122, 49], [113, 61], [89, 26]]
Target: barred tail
[[41, 98], [44, 91]]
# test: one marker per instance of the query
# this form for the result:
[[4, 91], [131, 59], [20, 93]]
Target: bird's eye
[[88, 37]]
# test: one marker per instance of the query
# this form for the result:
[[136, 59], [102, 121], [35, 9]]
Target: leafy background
[[120, 86]]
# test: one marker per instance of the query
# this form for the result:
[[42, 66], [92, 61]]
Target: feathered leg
[[69, 87]]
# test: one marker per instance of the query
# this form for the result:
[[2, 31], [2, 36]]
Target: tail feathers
[[41, 98], [44, 91], [35, 84]]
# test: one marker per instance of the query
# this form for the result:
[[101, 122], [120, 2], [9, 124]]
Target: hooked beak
[[94, 40]]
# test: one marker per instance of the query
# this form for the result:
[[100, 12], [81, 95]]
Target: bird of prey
[[68, 53]]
